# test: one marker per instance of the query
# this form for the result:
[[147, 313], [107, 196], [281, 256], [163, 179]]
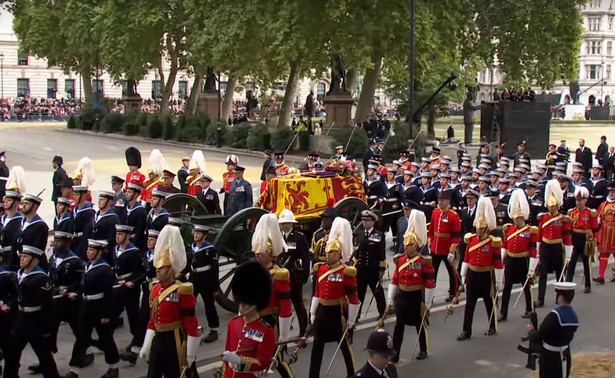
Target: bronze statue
[[338, 75], [210, 80]]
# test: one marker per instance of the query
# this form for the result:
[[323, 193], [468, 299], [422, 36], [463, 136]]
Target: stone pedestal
[[338, 107], [210, 103], [132, 102]]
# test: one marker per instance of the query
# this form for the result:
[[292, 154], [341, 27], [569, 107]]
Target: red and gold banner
[[306, 196]]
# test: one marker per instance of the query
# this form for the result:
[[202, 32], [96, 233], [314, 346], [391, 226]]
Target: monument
[[338, 100], [209, 99], [131, 98]]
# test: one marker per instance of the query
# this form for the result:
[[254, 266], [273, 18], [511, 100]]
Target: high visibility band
[[270, 311], [480, 269], [552, 348], [518, 254], [168, 327], [201, 269], [94, 297], [411, 287], [440, 235], [124, 276], [30, 308], [331, 302], [551, 241]]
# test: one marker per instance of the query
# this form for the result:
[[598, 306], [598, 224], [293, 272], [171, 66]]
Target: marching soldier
[[320, 237], [208, 196], [584, 225], [370, 260], [482, 268], [119, 198], [83, 216], [34, 231], [606, 241], [268, 244], [250, 342], [197, 168], [569, 193], [297, 263], [519, 253], [96, 312], [521, 154], [10, 230], [380, 355], [429, 195], [136, 216], [133, 160], [599, 187], [158, 217], [204, 277], [391, 208], [63, 221], [467, 215], [103, 225], [227, 178], [413, 273], [375, 189], [8, 304], [156, 170], [335, 284], [130, 273], [554, 231], [240, 194], [172, 336], [444, 234]]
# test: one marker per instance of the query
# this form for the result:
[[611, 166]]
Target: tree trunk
[[86, 81], [167, 88], [195, 93], [227, 102], [291, 88], [370, 82], [432, 114], [352, 76]]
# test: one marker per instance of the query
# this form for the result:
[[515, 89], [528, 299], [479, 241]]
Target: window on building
[[610, 22], [52, 88], [594, 3], [22, 58], [69, 88], [156, 89], [609, 48], [592, 71], [594, 23], [320, 91], [23, 87], [183, 89], [593, 47], [98, 87], [607, 74]]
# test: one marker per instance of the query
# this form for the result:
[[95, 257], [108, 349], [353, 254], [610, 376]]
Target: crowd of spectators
[[38, 109]]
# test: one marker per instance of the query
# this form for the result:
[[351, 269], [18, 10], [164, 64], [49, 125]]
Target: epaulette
[[185, 288], [569, 212], [151, 286], [496, 241], [505, 227], [467, 237], [567, 219], [534, 230], [282, 274], [427, 260], [350, 271], [317, 266], [593, 212], [540, 215], [453, 211]]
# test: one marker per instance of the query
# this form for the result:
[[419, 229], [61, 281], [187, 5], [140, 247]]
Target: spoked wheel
[[234, 245], [350, 208], [183, 206]]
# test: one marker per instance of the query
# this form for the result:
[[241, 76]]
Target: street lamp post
[[2, 76]]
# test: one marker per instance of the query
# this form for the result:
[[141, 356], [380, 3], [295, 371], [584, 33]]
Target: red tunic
[[193, 187], [483, 255], [382, 170], [281, 170], [520, 242], [135, 178], [583, 220], [554, 229], [253, 341], [444, 230], [148, 188], [606, 221], [177, 306], [227, 178], [279, 303], [416, 272], [72, 201], [336, 283]]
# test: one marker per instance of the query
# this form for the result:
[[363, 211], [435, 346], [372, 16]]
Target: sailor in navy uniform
[[34, 231], [391, 208], [375, 188], [535, 200], [130, 274], [119, 198], [103, 225], [83, 215], [158, 217], [136, 216], [380, 351], [8, 304], [208, 196], [240, 195], [552, 339], [34, 324], [599, 188], [10, 230], [63, 221], [429, 195]]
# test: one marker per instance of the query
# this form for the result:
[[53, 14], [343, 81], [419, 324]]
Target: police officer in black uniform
[[63, 221], [103, 225], [11, 228], [8, 305], [136, 216], [208, 196], [204, 277], [34, 325], [370, 260], [83, 216], [34, 231], [380, 345], [158, 217]]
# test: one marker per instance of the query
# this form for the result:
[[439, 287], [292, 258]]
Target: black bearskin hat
[[252, 285], [133, 157]]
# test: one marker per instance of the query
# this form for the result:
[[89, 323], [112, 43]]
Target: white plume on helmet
[[267, 237], [485, 214], [342, 232], [518, 204], [17, 180], [581, 192], [86, 169], [552, 189], [198, 161], [156, 162], [417, 223], [170, 241]]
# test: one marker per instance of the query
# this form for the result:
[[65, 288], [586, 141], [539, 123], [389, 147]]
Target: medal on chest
[[335, 277], [255, 334]]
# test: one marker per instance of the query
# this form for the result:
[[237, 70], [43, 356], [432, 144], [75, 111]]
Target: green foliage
[[281, 139], [192, 134], [258, 138], [169, 129], [89, 117], [72, 122], [238, 135], [215, 129], [131, 128], [154, 127], [112, 123], [358, 144], [304, 140], [399, 142]]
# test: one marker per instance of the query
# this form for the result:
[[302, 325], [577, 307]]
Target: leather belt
[[201, 269], [168, 327], [331, 302], [411, 287], [30, 308], [481, 269], [552, 348], [551, 241], [93, 297], [518, 254], [441, 235], [124, 276]]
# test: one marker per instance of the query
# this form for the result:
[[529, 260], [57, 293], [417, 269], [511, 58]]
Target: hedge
[[259, 138], [282, 138]]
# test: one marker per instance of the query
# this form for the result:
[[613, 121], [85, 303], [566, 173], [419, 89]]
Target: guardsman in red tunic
[[584, 225], [518, 252], [156, 169], [554, 231], [267, 244], [281, 168], [606, 235], [413, 275], [197, 168], [250, 342], [172, 336], [227, 179], [335, 303], [444, 235], [482, 268], [133, 160]]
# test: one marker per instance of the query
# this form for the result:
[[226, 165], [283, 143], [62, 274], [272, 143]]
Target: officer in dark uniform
[[119, 199], [83, 216], [568, 189], [136, 216], [535, 200], [158, 217], [208, 196], [467, 215], [10, 230], [370, 260], [167, 183], [103, 225], [375, 189], [391, 207], [240, 195], [319, 239], [204, 277], [600, 188], [34, 231], [96, 312], [8, 305], [429, 195], [63, 221], [34, 325], [501, 214], [521, 154], [380, 351], [59, 174], [183, 173]]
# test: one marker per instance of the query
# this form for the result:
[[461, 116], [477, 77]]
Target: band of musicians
[[505, 223]]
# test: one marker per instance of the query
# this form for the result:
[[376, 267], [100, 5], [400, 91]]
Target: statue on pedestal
[[210, 80], [338, 75]]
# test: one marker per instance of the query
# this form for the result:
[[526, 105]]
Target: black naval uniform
[[370, 261], [35, 234], [157, 221], [144, 309], [64, 223], [8, 296], [375, 192], [129, 267], [598, 193], [392, 204], [97, 303], [569, 200], [9, 234], [209, 199], [103, 228], [83, 219], [369, 371], [428, 196], [536, 207], [319, 242], [33, 321], [502, 218], [204, 278], [137, 219], [119, 205], [467, 216], [298, 264]]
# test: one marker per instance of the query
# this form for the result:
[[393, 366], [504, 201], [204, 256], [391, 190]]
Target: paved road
[[482, 356]]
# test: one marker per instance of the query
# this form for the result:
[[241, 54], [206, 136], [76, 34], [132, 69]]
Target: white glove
[[464, 271], [568, 250], [284, 328], [429, 293], [353, 311], [192, 344], [538, 244], [504, 253], [450, 257], [313, 308], [147, 344], [533, 265], [231, 357], [499, 274], [392, 293]]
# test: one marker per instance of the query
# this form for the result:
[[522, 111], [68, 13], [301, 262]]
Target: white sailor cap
[[159, 193], [98, 244], [372, 166], [12, 194], [32, 198], [201, 228], [107, 194], [31, 250], [174, 221], [62, 235], [123, 228], [153, 233], [133, 186], [80, 188], [565, 286], [368, 214]]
